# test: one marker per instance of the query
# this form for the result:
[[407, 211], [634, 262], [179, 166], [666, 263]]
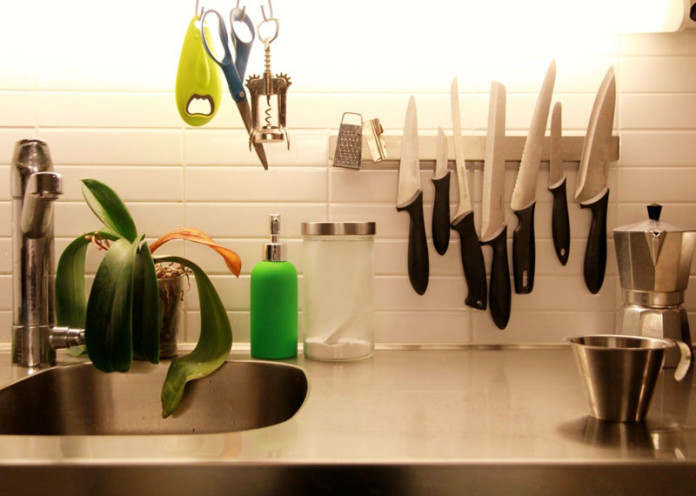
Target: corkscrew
[[270, 87]]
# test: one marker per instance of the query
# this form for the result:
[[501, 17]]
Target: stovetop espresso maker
[[654, 261]]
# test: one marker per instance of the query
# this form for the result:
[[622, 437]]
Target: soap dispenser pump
[[274, 301]]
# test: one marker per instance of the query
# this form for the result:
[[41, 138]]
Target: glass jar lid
[[340, 228]]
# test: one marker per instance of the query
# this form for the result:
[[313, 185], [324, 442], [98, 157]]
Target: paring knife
[[463, 220], [560, 224], [592, 191], [494, 229], [441, 207], [524, 195], [410, 198]]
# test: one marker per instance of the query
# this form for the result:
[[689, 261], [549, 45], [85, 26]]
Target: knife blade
[[524, 195], [441, 207], [560, 224], [463, 220], [494, 229], [592, 191], [410, 198]]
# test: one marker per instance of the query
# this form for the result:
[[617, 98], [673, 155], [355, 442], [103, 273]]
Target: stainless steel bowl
[[619, 373]]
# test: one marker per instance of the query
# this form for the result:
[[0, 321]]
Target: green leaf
[[146, 313], [108, 326], [109, 208], [213, 345], [76, 351], [71, 296]]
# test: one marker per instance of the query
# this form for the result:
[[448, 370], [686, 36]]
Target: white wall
[[97, 85]]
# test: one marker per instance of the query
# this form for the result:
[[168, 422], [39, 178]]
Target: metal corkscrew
[[268, 86]]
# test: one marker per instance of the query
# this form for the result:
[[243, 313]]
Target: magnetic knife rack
[[474, 151]]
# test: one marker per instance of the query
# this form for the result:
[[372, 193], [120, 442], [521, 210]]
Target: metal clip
[[372, 131]]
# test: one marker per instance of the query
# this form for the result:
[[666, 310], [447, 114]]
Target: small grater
[[349, 143]]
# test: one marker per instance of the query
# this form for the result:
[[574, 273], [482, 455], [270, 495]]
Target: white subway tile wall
[[130, 135]]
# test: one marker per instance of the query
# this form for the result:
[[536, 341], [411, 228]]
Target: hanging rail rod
[[474, 150]]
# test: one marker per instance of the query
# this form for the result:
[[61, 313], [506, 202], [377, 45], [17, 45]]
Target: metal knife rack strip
[[474, 151]]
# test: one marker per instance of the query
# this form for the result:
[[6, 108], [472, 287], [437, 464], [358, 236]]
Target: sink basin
[[80, 400]]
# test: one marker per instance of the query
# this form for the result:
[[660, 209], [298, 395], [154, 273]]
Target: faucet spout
[[35, 187]]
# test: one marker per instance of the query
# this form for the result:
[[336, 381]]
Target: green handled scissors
[[234, 67]]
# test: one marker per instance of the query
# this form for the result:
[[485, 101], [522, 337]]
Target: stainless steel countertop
[[436, 410]]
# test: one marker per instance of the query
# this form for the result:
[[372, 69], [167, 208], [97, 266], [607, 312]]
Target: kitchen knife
[[410, 198], [463, 220], [592, 191], [441, 207], [523, 196], [494, 229], [560, 225]]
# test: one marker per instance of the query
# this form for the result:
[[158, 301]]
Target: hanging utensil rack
[[474, 151]]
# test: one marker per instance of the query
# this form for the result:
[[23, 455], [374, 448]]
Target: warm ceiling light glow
[[380, 45], [645, 16], [617, 16]]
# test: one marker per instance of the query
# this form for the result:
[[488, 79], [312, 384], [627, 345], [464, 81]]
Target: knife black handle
[[418, 263], [441, 213], [524, 250], [596, 251], [500, 290], [472, 262], [560, 224]]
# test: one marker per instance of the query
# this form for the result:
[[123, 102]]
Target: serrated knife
[[524, 195], [592, 191], [463, 220], [560, 224], [494, 229], [441, 204], [409, 197]]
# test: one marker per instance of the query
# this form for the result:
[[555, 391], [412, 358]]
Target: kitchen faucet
[[34, 187]]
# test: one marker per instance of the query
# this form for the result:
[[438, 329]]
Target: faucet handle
[[37, 208], [46, 185]]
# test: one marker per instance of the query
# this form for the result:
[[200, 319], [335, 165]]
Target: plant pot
[[171, 290]]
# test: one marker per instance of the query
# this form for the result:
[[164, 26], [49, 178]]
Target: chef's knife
[[441, 207], [410, 198], [463, 220], [592, 191], [494, 229], [560, 225], [524, 195]]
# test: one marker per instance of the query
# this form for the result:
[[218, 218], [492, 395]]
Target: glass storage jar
[[338, 290]]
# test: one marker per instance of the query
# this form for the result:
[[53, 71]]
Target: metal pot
[[654, 261], [654, 256]]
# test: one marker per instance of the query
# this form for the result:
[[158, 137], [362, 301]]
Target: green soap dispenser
[[274, 301]]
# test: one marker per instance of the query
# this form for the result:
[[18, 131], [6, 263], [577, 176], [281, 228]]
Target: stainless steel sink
[[80, 400]]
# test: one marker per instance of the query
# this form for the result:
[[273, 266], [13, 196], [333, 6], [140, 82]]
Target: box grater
[[349, 143]]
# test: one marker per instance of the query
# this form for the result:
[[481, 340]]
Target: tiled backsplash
[[172, 175]]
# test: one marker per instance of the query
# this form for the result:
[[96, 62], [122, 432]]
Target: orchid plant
[[121, 315]]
